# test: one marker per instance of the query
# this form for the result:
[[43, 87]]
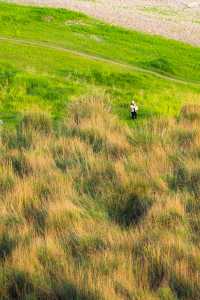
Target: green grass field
[[38, 70]]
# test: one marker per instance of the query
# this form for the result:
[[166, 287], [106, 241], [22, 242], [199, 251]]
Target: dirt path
[[97, 58], [177, 19]]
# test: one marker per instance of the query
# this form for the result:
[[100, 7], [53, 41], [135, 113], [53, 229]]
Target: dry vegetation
[[91, 209]]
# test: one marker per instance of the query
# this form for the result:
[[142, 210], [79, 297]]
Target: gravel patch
[[176, 19]]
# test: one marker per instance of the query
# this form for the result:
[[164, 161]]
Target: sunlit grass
[[35, 76], [92, 209]]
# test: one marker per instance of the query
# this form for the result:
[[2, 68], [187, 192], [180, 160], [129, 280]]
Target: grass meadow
[[92, 205], [92, 209], [50, 78]]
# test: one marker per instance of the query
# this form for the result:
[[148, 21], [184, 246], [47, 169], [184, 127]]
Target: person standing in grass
[[134, 109]]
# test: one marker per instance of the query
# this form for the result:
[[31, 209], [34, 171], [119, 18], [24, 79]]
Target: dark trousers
[[134, 115]]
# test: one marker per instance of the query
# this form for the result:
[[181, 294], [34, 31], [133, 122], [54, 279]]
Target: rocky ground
[[177, 19]]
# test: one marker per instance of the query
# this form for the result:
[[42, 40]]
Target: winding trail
[[97, 58]]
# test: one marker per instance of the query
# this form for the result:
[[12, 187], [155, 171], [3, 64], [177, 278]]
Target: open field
[[177, 19], [49, 57]]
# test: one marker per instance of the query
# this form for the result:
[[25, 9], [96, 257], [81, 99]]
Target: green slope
[[42, 73], [77, 31]]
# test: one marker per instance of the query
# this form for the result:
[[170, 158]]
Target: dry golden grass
[[95, 210]]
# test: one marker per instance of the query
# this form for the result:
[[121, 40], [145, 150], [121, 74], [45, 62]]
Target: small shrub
[[15, 139], [11, 220], [123, 292], [82, 247], [19, 164], [132, 209], [93, 138], [192, 206], [7, 75], [49, 261], [67, 290], [166, 293], [170, 219], [194, 183], [36, 214], [156, 274], [184, 288], [7, 182], [184, 138], [43, 190], [190, 113], [185, 179], [108, 267], [180, 175], [6, 245], [9, 138], [98, 180], [18, 284], [67, 157], [37, 121], [62, 289], [160, 64]]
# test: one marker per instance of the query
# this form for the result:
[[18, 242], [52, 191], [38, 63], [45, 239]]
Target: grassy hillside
[[90, 208], [37, 68], [95, 210], [77, 31]]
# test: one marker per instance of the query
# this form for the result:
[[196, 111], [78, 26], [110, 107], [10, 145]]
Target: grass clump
[[38, 121], [6, 245]]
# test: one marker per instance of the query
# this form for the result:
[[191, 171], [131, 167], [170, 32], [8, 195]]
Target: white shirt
[[134, 107]]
